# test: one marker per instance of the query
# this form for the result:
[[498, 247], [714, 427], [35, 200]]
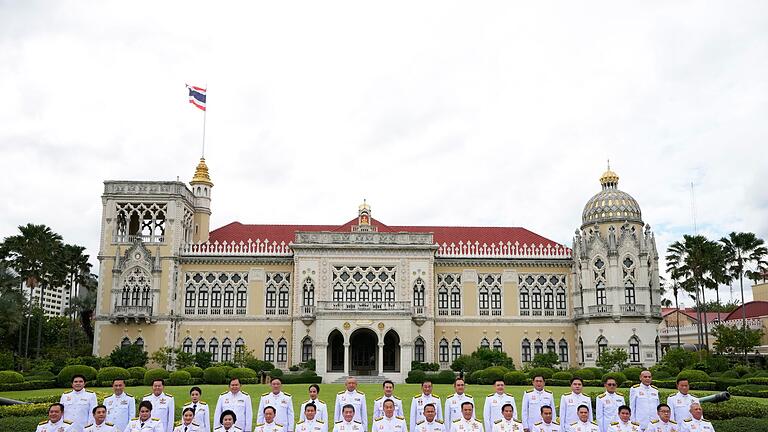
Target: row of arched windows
[[214, 293], [126, 342], [212, 346], [277, 293], [634, 348], [282, 350], [561, 349], [136, 288], [444, 354]]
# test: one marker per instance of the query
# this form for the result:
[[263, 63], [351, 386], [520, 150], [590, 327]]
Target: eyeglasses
[[611, 384]]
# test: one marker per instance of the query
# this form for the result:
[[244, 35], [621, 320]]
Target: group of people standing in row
[[79, 411]]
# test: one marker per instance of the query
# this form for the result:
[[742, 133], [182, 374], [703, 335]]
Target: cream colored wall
[[760, 291], [253, 333], [110, 335]]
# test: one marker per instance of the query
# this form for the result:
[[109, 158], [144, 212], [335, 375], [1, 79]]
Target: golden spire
[[609, 178], [364, 206], [201, 174]]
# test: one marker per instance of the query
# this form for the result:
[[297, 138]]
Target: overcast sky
[[444, 113]]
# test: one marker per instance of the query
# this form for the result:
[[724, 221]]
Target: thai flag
[[197, 96]]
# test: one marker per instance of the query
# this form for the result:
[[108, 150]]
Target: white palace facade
[[366, 298]]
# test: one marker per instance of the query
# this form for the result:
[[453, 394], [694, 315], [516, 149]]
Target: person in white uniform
[[389, 422], [571, 401], [584, 422], [507, 423], [420, 401], [78, 403], [680, 402], [607, 404], [55, 422], [121, 407], [665, 422], [269, 414], [227, 421], [237, 401], [199, 408], [533, 400], [163, 406], [389, 389], [453, 403], [466, 423], [624, 424], [321, 407], [348, 422], [100, 423], [145, 422], [187, 422], [310, 422], [494, 402], [282, 403], [351, 397], [643, 400], [547, 423], [430, 422], [696, 422]]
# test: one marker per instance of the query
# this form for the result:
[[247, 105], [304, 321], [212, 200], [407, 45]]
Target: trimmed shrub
[[724, 383], [427, 367], [39, 376], [758, 380], [29, 385], [243, 374], [661, 374], [730, 373], [740, 424], [179, 377], [593, 383], [516, 378], [27, 423], [276, 373], [585, 374], [558, 383], [416, 376], [693, 376], [108, 374], [545, 372], [743, 370], [10, 377], [154, 374], [735, 408], [306, 377], [215, 375], [445, 376], [633, 373], [259, 365], [751, 390], [22, 410], [194, 371], [618, 376], [66, 374], [137, 372], [562, 375]]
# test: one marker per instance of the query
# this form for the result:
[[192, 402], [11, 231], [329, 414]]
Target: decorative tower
[[201, 188], [364, 219], [615, 267]]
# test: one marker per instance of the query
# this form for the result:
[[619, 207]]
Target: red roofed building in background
[[366, 298]]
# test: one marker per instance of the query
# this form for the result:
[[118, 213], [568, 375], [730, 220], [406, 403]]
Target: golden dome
[[364, 206], [609, 178], [201, 174]]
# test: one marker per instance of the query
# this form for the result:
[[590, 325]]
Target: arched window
[[485, 344], [187, 345], [216, 300], [455, 349], [536, 301], [418, 293], [125, 342], [213, 348], [551, 347], [563, 345], [538, 347], [377, 295], [455, 301], [525, 304], [226, 350], [126, 298], [418, 349], [483, 301], [549, 302], [496, 301], [202, 301], [269, 350], [239, 346], [581, 349], [145, 297], [442, 301], [600, 293], [138, 283], [364, 294], [443, 351], [602, 345], [306, 349], [526, 350], [629, 292], [190, 300], [229, 302], [200, 345], [139, 343], [242, 300], [270, 302], [560, 302], [389, 293], [338, 293], [282, 301], [282, 351], [634, 349], [308, 293], [497, 345]]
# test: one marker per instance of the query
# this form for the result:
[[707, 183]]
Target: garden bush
[[545, 372], [633, 373], [39, 376], [693, 376], [558, 382], [731, 373], [6, 360], [137, 372], [194, 371], [735, 408], [10, 377], [743, 370], [29, 385], [154, 374], [94, 362], [276, 373], [758, 380], [215, 375], [723, 383], [445, 376], [36, 409], [562, 375], [427, 367], [751, 390], [741, 424], [416, 376], [106, 375], [66, 374], [179, 377], [618, 376], [26, 423], [516, 378], [259, 365], [306, 377], [243, 374]]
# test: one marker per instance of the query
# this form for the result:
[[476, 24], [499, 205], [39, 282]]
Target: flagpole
[[205, 114]]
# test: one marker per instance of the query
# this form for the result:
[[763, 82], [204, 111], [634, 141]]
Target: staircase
[[364, 379]]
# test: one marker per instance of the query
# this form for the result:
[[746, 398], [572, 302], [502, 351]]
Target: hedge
[[137, 372], [723, 384], [735, 408], [618, 376], [154, 374], [39, 376], [515, 378], [730, 373], [416, 376], [27, 423], [693, 376], [741, 424], [22, 410], [758, 380], [66, 374], [215, 375], [562, 375], [194, 371], [545, 372], [633, 373], [108, 374], [29, 385], [306, 377], [10, 377], [243, 373], [179, 377], [585, 374], [751, 390]]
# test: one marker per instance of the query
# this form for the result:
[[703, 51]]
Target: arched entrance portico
[[363, 352], [335, 352], [391, 352]]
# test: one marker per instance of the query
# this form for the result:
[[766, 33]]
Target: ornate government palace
[[365, 298]]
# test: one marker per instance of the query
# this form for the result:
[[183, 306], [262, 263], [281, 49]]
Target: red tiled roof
[[691, 313], [753, 309], [238, 232]]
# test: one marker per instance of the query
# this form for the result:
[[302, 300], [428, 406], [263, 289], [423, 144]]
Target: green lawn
[[328, 394]]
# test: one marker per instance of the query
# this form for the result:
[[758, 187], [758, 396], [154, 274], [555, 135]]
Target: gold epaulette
[[420, 422], [614, 423], [287, 394], [355, 421], [602, 395], [655, 421], [148, 394], [259, 424], [435, 395], [155, 419], [377, 418], [538, 423], [178, 423], [654, 386], [508, 394], [360, 392], [341, 392], [468, 395], [417, 396], [547, 391], [439, 421], [672, 421], [43, 422], [278, 424], [320, 421], [400, 417], [455, 421], [620, 394], [88, 425], [636, 423], [109, 424], [688, 420], [636, 386], [223, 393], [574, 423], [497, 421], [300, 422], [245, 393], [89, 391], [203, 403], [169, 395], [556, 422], [68, 421], [129, 395], [530, 391], [395, 397], [265, 394], [135, 418], [594, 422], [195, 423], [340, 421], [491, 394], [566, 394]]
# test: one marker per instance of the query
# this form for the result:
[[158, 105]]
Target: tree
[[678, 359], [203, 359], [547, 360], [184, 359], [735, 340], [243, 356], [742, 249], [613, 359], [163, 357], [84, 305], [77, 269], [11, 305], [480, 359], [128, 356]]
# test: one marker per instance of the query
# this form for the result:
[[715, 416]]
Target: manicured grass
[[328, 394]]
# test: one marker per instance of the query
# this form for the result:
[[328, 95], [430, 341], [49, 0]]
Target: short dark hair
[[624, 407], [582, 406], [310, 405], [541, 410], [388, 400], [60, 405], [234, 378], [146, 404], [228, 413], [459, 378], [467, 403], [190, 409], [497, 380], [662, 405], [430, 404], [537, 376], [162, 381], [316, 386], [577, 379], [78, 376], [507, 405], [387, 382], [275, 378], [348, 406], [426, 381], [195, 388], [274, 411], [93, 411], [118, 379], [681, 379]]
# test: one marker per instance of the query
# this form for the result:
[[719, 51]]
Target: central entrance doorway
[[363, 352]]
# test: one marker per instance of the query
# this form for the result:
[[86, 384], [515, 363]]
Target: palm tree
[[11, 303], [34, 255], [84, 304], [742, 249], [675, 292], [77, 269]]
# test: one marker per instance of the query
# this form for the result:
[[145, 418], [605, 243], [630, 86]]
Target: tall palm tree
[[34, 254], [675, 292], [77, 267], [743, 249], [84, 305], [719, 273], [11, 304]]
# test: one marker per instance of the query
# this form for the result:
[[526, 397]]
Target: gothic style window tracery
[[145, 221], [187, 345], [418, 293], [497, 346], [551, 348], [306, 349], [418, 351], [139, 343], [216, 300], [125, 342], [443, 351], [538, 347], [137, 285], [542, 294], [200, 345], [449, 284], [226, 350], [628, 270], [536, 301], [455, 349], [489, 290], [602, 345], [361, 283], [269, 350], [213, 348], [549, 304], [634, 349], [563, 345], [277, 293], [600, 281], [524, 302], [308, 292], [282, 351], [560, 302], [205, 286], [485, 344], [442, 301], [526, 350], [242, 300], [239, 346], [229, 300]]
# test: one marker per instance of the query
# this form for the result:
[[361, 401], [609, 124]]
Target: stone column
[[381, 359], [321, 362], [346, 358]]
